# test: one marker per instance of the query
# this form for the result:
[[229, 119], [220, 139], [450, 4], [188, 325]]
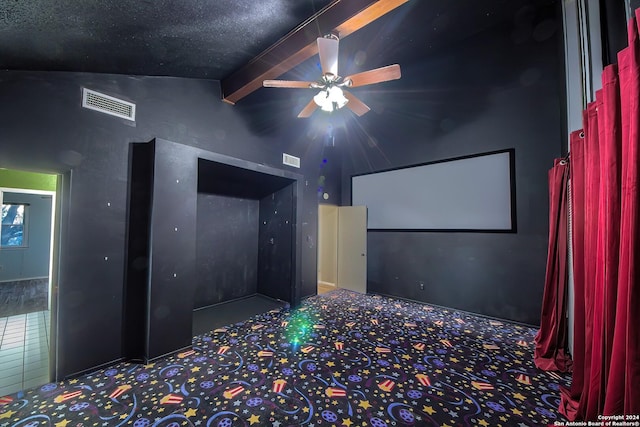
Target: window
[[13, 231]]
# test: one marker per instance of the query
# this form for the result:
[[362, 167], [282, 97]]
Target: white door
[[352, 248]]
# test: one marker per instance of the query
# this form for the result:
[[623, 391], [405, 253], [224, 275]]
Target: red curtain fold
[[606, 256], [624, 378], [585, 187], [552, 339], [609, 250], [592, 200], [570, 398]]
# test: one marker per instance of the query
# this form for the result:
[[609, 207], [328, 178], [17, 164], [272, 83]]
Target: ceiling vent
[[108, 104], [290, 160]]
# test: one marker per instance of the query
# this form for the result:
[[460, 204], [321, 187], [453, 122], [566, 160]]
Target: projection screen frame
[[512, 195]]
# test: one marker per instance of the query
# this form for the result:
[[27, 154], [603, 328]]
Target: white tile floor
[[24, 351]]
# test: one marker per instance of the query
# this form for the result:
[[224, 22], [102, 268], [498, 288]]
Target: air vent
[[108, 104], [290, 160]]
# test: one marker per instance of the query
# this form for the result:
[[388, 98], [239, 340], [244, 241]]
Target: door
[[352, 248]]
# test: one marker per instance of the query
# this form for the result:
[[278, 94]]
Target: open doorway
[[327, 248], [28, 202], [342, 247]]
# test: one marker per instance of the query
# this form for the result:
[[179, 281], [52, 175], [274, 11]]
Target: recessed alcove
[[204, 230], [244, 237]]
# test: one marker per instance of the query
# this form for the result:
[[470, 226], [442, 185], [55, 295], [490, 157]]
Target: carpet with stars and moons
[[341, 359]]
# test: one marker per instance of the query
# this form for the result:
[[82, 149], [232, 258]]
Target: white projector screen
[[473, 193]]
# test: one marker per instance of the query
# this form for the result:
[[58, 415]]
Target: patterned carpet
[[341, 359]]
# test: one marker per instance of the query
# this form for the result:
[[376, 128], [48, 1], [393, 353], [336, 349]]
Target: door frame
[[59, 208], [52, 230]]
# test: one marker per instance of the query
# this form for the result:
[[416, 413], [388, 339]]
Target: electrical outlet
[[422, 286]]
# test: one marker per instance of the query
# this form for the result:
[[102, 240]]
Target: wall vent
[[108, 104], [288, 159]]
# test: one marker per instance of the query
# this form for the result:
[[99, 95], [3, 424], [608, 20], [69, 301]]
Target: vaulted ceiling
[[221, 39]]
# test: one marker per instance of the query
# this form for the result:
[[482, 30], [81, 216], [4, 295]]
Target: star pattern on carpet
[[341, 359]]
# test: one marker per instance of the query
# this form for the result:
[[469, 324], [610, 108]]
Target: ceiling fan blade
[[328, 51], [308, 110], [355, 105], [287, 84], [379, 75]]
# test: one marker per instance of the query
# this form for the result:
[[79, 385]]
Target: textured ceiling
[[211, 39], [186, 38]]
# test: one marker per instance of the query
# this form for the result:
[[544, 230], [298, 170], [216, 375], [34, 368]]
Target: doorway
[[342, 247], [327, 248], [28, 202]]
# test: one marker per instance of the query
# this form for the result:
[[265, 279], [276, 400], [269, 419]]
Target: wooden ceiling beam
[[341, 16]]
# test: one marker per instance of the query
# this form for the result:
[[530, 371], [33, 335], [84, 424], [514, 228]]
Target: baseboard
[[471, 313], [149, 360], [322, 282], [90, 370], [218, 304]]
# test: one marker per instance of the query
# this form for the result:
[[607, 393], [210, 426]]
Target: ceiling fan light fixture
[[331, 96], [330, 99], [337, 96]]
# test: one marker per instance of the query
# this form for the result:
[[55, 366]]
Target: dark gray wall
[[172, 249], [226, 248], [613, 27], [329, 171], [43, 128], [499, 91], [31, 261], [274, 241]]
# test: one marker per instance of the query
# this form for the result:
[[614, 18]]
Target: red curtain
[[606, 256], [552, 340], [624, 379]]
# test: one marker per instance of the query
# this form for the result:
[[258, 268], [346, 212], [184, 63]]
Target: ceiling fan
[[332, 95]]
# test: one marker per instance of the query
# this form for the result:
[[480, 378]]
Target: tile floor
[[24, 351]]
